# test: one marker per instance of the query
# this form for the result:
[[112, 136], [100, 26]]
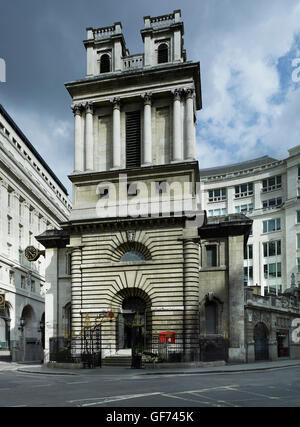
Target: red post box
[[167, 336]]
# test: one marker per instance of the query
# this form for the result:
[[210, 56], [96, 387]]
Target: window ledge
[[218, 268]]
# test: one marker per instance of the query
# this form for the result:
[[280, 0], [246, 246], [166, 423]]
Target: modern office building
[[267, 191], [32, 199]]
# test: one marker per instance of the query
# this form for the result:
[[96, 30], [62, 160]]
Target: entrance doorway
[[283, 343], [131, 323], [261, 342]]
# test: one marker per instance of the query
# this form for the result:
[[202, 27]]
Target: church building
[[138, 255]]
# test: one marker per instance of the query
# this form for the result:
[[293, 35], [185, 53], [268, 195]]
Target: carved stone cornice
[[121, 224]]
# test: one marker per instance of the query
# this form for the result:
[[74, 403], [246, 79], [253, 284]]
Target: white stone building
[[32, 199], [139, 271], [268, 191]]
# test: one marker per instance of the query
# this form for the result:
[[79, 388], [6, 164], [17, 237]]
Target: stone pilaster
[[189, 125], [236, 299], [78, 140], [76, 298], [147, 134], [177, 130], [191, 294], [51, 299], [89, 137], [116, 133]]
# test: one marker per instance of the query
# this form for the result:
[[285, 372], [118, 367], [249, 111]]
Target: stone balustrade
[[133, 62], [284, 301], [104, 33]]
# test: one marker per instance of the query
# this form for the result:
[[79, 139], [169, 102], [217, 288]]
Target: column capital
[[177, 94], [77, 109], [189, 92], [147, 97], [4, 184], [116, 102], [89, 107]]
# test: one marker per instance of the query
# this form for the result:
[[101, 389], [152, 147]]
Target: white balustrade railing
[[162, 21], [104, 33], [133, 62]]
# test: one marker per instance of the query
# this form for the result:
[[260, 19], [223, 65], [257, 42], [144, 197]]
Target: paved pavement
[[41, 369]]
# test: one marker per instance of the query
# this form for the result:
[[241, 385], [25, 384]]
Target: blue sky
[[245, 47]]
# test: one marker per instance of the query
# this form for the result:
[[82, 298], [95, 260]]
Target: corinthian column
[[89, 137], [116, 134], [177, 140], [189, 123], [78, 140], [147, 137]]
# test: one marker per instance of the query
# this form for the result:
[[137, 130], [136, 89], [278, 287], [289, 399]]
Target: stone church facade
[[138, 255]]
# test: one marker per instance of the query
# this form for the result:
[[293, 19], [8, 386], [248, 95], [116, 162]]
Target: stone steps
[[122, 361]]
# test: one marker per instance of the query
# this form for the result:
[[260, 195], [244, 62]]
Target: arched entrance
[[131, 323], [31, 342], [261, 347], [5, 328]]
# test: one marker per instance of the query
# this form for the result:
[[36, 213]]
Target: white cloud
[[52, 138], [239, 55]]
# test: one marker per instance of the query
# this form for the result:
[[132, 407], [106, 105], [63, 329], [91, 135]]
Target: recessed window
[[133, 139], [272, 248], [11, 277], [23, 282], [162, 53], [217, 212], [211, 255], [68, 264], [9, 225], [211, 311], [244, 208], [32, 286], [271, 183], [132, 256], [248, 252], [271, 225], [244, 190], [271, 203], [105, 63], [217, 195], [104, 193], [272, 270], [132, 189], [248, 274]]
